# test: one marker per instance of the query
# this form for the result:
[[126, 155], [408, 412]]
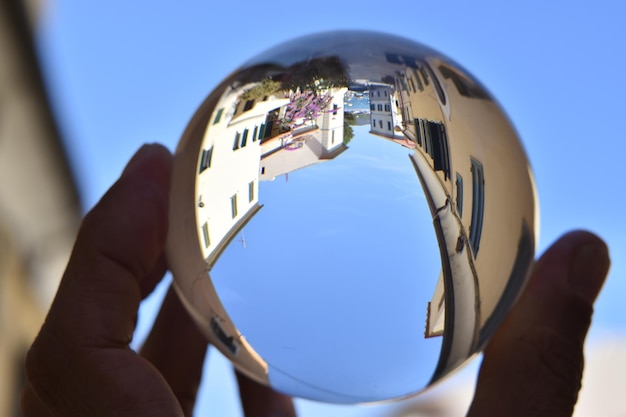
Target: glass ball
[[352, 216]]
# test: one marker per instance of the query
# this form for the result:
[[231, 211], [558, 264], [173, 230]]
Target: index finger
[[80, 363], [119, 244]]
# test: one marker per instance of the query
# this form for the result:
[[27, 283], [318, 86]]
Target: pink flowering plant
[[304, 105]]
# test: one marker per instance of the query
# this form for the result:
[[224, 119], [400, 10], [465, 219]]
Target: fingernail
[[588, 270], [145, 153]]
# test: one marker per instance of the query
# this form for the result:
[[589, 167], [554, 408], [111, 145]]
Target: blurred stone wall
[[39, 201]]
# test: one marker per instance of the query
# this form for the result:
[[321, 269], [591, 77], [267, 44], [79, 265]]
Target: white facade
[[227, 193], [228, 167], [314, 143], [331, 122], [384, 116]]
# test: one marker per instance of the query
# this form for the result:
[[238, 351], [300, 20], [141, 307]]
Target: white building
[[384, 117], [228, 169], [240, 136], [318, 141]]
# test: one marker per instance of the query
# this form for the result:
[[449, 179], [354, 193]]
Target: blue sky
[[346, 261], [125, 73]]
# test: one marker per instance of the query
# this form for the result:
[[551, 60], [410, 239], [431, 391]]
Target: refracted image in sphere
[[352, 217]]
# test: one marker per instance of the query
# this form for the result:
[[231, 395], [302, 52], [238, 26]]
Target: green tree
[[318, 74], [266, 87], [349, 120]]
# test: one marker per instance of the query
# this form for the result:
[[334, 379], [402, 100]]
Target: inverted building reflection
[[287, 115], [444, 113], [274, 131]]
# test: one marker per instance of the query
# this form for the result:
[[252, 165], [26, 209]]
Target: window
[[418, 131], [459, 194], [373, 107], [422, 71], [420, 86], [218, 116], [409, 61], [387, 107], [335, 107], [427, 139], [205, 159], [249, 104], [251, 192], [380, 124], [439, 147], [388, 125], [378, 93], [478, 205], [380, 107], [385, 93], [254, 133], [236, 144], [465, 86], [433, 137], [332, 137], [403, 84], [233, 206], [244, 138], [262, 131], [205, 235], [374, 123], [228, 341]]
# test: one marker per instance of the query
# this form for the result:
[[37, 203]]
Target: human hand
[[80, 363], [533, 364]]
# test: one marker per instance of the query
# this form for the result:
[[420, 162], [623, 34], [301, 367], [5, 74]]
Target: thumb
[[533, 365]]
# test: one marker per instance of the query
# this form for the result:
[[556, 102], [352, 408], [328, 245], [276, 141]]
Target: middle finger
[[177, 348]]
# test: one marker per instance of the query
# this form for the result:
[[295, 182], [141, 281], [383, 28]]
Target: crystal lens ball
[[352, 216]]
